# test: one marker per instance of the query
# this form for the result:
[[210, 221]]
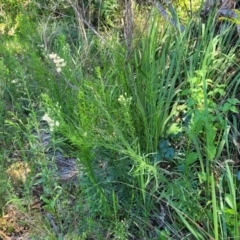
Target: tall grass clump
[[155, 120]]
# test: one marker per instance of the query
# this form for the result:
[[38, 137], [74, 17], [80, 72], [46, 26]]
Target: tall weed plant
[[126, 108]]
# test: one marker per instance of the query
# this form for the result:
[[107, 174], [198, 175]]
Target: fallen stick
[[5, 237]]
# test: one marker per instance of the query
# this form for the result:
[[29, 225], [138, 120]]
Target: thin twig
[[174, 19], [128, 25], [5, 237], [53, 224], [80, 18]]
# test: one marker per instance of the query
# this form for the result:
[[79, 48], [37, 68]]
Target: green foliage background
[[152, 128]]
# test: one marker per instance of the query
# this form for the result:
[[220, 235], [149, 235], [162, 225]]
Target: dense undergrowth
[[153, 127]]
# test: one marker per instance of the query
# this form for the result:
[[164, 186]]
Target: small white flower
[[14, 81], [59, 69], [63, 64], [47, 118], [58, 60], [121, 98], [52, 55], [57, 123], [124, 100], [50, 122], [11, 32]]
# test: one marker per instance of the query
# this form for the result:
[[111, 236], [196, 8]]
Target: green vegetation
[[113, 132]]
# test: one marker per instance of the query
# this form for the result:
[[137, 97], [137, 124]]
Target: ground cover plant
[[118, 123]]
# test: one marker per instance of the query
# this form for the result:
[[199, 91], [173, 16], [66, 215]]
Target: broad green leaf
[[233, 109], [226, 107], [191, 158], [229, 200], [211, 151], [229, 211], [233, 101]]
